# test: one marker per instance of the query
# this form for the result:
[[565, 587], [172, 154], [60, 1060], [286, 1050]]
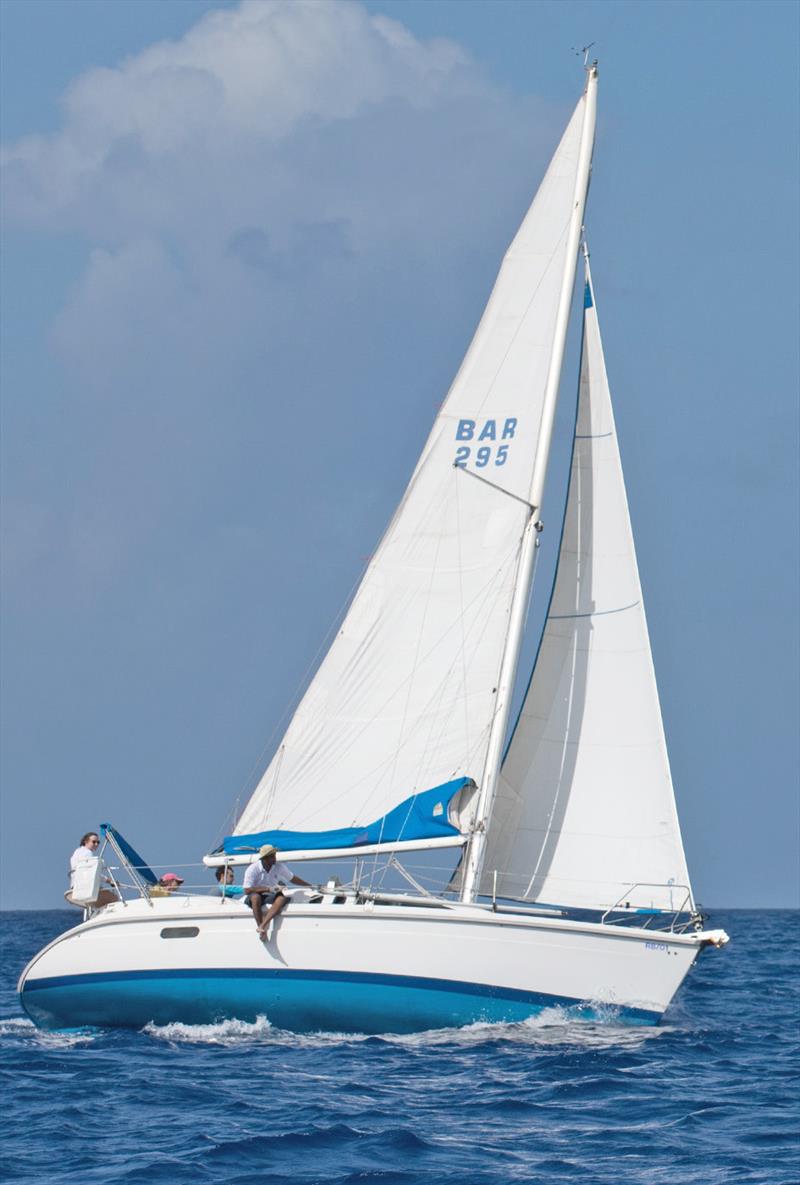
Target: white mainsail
[[405, 698], [585, 810]]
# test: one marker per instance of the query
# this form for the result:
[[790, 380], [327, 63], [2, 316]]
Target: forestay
[[404, 699], [585, 808]]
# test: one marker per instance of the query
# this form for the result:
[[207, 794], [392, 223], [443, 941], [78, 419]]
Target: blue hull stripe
[[297, 999]]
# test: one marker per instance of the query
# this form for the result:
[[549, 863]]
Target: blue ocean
[[708, 1096]]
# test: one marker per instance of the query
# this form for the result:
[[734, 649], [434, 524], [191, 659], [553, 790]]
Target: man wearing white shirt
[[263, 879]]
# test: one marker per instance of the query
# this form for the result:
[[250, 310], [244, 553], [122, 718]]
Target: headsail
[[405, 697], [585, 808]]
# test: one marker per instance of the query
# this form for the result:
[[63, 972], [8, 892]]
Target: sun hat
[[266, 849]]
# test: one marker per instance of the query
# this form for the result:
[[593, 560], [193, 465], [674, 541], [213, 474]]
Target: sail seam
[[594, 613]]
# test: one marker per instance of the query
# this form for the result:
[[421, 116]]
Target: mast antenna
[[584, 49]]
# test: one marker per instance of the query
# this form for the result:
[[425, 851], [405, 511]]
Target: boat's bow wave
[[557, 1026], [224, 1032]]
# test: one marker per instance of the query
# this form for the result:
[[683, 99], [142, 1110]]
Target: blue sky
[[242, 261]]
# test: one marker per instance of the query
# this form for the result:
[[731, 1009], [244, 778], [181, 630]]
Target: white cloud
[[241, 81], [264, 202]]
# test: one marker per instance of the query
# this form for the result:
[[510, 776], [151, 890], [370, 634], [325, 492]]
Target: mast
[[474, 856]]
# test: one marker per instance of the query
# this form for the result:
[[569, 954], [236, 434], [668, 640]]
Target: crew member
[[168, 884], [263, 882], [225, 880], [87, 850]]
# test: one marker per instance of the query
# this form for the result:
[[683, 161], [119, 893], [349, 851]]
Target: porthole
[[180, 931]]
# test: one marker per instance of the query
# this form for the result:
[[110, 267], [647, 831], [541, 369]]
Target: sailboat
[[567, 884]]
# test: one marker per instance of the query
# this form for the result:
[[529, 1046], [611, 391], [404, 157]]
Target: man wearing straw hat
[[263, 880]]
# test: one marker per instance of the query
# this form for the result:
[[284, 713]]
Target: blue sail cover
[[422, 816]]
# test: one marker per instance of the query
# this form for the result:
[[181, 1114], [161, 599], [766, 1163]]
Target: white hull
[[365, 967]]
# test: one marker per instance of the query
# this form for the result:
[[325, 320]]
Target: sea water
[[708, 1096]]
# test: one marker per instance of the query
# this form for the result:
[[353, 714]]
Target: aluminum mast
[[473, 860]]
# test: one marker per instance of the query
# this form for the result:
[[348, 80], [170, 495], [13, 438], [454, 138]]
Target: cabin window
[[180, 931]]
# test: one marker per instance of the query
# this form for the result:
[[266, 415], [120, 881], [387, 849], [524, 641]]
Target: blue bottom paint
[[302, 1001]]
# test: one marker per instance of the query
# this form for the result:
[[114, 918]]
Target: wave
[[224, 1032], [558, 1025], [24, 1030], [566, 1026]]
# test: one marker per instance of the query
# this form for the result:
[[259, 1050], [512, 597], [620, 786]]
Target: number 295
[[482, 455]]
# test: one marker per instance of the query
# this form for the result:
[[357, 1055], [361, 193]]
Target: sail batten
[[585, 812]]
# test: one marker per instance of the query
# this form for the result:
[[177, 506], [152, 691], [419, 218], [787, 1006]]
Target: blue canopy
[[130, 854], [422, 816]]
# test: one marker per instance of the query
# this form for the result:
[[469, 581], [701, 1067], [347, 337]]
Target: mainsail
[[405, 697], [585, 811]]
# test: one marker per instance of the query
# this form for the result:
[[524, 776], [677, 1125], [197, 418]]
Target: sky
[[245, 248]]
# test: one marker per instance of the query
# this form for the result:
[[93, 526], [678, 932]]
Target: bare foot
[[262, 932]]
